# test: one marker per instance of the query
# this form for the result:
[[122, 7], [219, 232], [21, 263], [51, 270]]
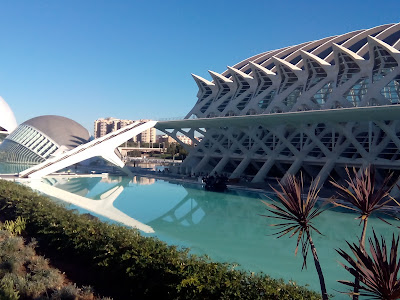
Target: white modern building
[[7, 120], [40, 138], [316, 107]]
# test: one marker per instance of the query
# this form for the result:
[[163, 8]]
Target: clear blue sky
[[132, 59]]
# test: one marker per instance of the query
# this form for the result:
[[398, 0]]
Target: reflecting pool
[[225, 226]]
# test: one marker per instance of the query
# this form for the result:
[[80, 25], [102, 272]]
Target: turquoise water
[[228, 226]]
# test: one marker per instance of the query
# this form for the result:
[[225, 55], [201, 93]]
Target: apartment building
[[104, 126]]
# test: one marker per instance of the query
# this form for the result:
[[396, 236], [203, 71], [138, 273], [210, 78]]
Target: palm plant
[[360, 194], [297, 211], [378, 273]]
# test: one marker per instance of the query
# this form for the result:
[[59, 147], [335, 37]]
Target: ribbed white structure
[[347, 72], [350, 70], [39, 138]]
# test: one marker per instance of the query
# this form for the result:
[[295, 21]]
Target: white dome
[[7, 119]]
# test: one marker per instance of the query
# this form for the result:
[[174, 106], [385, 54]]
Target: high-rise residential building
[[165, 139], [104, 126], [181, 138]]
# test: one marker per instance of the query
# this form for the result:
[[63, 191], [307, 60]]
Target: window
[[347, 68], [322, 95], [263, 81], [265, 101], [384, 63], [290, 100], [315, 73], [224, 104], [357, 92], [205, 91], [392, 91], [243, 86], [206, 106], [288, 78], [242, 104]]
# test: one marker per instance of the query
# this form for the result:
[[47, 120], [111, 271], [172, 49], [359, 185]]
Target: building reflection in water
[[143, 180], [76, 190]]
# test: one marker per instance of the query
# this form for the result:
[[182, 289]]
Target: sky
[[133, 59]]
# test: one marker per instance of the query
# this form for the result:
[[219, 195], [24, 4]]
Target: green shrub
[[22, 272], [25, 275], [14, 227], [126, 265], [7, 290]]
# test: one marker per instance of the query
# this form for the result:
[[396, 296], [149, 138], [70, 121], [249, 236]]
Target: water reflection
[[102, 203], [79, 187]]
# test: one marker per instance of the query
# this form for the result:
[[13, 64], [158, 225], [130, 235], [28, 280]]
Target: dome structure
[[314, 108], [7, 119], [37, 139]]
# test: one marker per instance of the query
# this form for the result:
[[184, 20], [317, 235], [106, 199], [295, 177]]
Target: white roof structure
[[296, 77], [7, 118]]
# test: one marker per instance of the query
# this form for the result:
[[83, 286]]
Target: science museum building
[[316, 107]]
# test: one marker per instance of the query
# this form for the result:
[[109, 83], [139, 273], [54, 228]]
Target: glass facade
[[357, 92], [322, 95], [392, 91], [384, 63], [292, 98], [347, 68], [27, 145]]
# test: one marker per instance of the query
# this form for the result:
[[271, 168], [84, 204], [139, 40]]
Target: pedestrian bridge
[[105, 147]]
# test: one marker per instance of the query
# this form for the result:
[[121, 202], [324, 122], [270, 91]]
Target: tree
[[362, 195], [182, 151], [297, 210], [378, 273], [135, 153], [171, 148]]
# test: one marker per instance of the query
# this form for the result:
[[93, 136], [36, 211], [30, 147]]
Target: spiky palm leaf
[[361, 193], [297, 212], [378, 272]]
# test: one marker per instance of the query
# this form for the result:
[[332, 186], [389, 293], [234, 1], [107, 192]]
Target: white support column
[[325, 171], [221, 165], [202, 164], [241, 167], [113, 158], [294, 168], [186, 163], [264, 170]]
